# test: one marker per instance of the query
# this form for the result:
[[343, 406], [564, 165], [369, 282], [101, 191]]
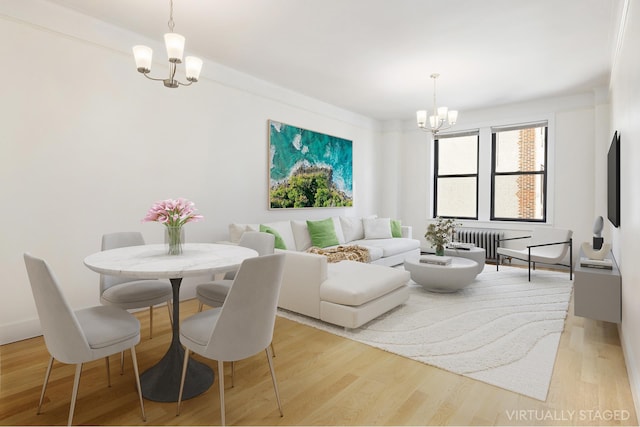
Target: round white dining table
[[161, 382]]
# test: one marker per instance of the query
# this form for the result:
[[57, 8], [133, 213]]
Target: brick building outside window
[[519, 179]]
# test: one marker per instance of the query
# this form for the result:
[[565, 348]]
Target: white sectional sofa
[[383, 249], [345, 293]]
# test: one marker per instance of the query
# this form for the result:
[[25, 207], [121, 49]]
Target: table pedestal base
[[161, 382]]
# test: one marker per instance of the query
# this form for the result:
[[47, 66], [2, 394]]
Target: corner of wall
[[19, 331], [632, 371]]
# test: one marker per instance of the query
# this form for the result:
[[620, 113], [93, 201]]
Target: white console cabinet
[[597, 292]]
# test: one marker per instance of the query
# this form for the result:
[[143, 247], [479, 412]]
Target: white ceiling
[[374, 57]]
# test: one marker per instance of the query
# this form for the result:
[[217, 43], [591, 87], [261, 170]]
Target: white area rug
[[502, 329]]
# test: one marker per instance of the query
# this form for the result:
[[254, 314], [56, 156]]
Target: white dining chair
[[213, 293], [76, 337], [129, 293], [242, 327]]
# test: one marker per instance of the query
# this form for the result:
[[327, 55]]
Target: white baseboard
[[632, 371], [19, 331], [26, 329]]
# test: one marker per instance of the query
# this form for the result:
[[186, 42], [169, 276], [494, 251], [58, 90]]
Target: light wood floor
[[327, 380]]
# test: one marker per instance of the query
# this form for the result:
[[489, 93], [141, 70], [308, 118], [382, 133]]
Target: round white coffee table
[[475, 253], [443, 278]]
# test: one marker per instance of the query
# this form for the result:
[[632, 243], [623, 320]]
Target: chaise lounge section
[[347, 293]]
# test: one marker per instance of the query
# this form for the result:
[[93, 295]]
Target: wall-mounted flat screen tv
[[613, 181]]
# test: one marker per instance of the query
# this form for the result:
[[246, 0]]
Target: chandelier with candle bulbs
[[441, 118], [175, 48]]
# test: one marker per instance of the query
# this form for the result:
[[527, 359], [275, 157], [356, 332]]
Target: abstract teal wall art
[[308, 169]]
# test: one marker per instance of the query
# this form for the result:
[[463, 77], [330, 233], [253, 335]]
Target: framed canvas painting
[[308, 169]]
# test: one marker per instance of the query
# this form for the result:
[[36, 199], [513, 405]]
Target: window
[[519, 173], [456, 175]]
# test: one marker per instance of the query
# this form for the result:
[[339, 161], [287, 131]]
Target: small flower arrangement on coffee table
[[440, 233]]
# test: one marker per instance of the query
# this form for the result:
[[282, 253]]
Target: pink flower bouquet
[[173, 214]]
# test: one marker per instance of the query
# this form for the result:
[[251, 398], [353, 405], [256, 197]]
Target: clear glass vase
[[173, 239], [439, 250]]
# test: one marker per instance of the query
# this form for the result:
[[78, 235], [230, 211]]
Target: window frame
[[436, 176], [543, 172]]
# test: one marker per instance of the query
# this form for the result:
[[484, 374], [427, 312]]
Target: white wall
[[390, 191], [87, 145], [625, 118]]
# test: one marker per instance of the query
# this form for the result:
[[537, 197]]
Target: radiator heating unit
[[484, 238]]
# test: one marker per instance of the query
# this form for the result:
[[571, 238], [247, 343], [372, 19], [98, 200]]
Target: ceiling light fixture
[[175, 48], [441, 118]]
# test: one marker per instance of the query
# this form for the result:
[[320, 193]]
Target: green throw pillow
[[279, 243], [322, 233], [396, 228]]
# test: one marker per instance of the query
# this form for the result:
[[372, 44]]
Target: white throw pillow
[[337, 227], [352, 228], [377, 228], [301, 235], [237, 230]]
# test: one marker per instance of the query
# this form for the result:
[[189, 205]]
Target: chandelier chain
[[171, 24], [435, 107]]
